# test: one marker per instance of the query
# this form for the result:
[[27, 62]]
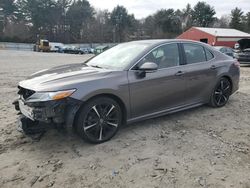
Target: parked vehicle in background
[[55, 46], [88, 50], [130, 82], [91, 50], [100, 49], [71, 50], [85, 50], [225, 50], [42, 46], [242, 51], [59, 49]]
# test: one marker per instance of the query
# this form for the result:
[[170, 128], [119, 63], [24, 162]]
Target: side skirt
[[163, 112]]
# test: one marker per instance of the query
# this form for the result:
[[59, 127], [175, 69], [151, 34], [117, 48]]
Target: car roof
[[156, 42], [159, 41], [101, 47]]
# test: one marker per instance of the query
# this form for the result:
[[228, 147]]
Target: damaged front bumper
[[58, 111]]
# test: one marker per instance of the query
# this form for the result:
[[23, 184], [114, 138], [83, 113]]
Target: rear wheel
[[99, 120], [221, 93]]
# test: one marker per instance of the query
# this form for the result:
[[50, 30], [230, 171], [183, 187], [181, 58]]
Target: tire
[[99, 120], [221, 93]]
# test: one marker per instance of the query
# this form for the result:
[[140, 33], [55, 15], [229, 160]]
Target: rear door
[[200, 72]]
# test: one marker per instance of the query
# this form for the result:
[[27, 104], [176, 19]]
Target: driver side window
[[164, 56]]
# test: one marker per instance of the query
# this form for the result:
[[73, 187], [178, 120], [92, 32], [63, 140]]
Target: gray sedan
[[225, 50], [130, 82]]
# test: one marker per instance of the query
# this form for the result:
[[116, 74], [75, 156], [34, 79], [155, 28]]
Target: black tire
[[221, 93], [99, 120]]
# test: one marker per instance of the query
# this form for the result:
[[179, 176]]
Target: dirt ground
[[202, 147]]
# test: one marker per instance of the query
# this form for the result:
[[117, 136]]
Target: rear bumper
[[235, 78], [235, 86], [59, 112]]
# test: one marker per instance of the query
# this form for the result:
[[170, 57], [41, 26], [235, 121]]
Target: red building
[[214, 36]]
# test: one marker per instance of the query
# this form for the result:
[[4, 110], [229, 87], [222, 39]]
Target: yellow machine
[[42, 46]]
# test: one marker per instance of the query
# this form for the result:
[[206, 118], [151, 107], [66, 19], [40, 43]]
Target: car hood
[[244, 44], [62, 77]]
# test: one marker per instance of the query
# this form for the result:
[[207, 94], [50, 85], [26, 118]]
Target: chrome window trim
[[178, 42]]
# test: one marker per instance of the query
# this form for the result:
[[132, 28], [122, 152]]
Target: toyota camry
[[130, 82]]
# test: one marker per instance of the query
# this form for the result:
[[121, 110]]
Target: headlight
[[48, 96]]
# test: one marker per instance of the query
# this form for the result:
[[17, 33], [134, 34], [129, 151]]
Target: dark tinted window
[[194, 53], [209, 55], [164, 56], [45, 43], [229, 50], [223, 50]]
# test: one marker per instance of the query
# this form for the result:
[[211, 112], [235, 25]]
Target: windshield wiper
[[96, 66]]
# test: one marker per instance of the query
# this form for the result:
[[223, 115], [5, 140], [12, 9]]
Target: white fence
[[29, 47], [16, 46]]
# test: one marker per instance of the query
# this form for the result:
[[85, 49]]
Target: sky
[[143, 8]]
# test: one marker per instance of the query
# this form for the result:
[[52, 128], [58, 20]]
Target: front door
[[159, 90]]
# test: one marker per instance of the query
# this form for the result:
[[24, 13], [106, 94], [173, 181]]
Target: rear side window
[[209, 55], [194, 53]]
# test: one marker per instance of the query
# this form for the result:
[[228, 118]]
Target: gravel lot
[[202, 147]]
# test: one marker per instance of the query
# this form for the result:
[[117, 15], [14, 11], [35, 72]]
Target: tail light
[[237, 64]]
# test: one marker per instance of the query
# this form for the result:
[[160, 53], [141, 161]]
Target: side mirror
[[148, 67]]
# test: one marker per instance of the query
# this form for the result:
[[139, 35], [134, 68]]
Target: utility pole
[[102, 22], [1, 20]]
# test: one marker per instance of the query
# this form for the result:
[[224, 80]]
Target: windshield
[[45, 43], [118, 57]]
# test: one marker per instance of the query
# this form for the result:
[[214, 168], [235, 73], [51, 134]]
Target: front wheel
[[221, 93], [99, 120]]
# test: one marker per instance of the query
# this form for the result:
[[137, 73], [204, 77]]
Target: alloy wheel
[[101, 122], [222, 92]]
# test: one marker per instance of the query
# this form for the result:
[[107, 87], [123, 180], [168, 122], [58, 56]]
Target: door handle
[[179, 73], [213, 67]]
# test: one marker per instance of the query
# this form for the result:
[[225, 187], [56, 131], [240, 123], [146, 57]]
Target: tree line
[[76, 21]]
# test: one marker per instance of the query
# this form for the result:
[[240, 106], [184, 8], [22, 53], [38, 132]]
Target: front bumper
[[61, 111], [244, 59]]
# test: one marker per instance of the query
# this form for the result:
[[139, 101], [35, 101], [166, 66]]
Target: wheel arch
[[109, 95]]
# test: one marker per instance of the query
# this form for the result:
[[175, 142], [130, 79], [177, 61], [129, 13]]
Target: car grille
[[25, 93]]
